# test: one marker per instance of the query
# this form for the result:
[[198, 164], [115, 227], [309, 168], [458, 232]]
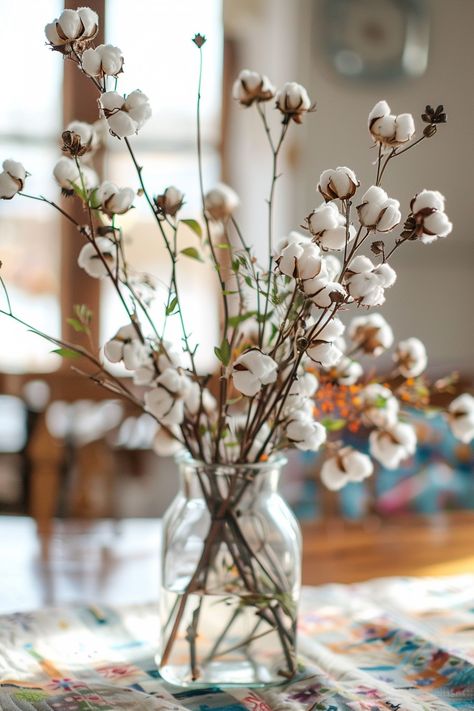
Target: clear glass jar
[[231, 576]]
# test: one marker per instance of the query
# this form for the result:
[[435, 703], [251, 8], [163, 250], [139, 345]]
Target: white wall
[[433, 296]]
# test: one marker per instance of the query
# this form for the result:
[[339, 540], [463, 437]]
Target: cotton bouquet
[[288, 372]]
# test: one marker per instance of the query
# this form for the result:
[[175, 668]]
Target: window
[[162, 61], [30, 122], [155, 36]]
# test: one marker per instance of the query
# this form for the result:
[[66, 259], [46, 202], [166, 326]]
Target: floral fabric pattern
[[403, 644]]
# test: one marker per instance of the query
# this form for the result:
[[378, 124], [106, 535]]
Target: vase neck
[[239, 482]]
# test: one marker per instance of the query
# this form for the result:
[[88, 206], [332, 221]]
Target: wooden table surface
[[116, 562]]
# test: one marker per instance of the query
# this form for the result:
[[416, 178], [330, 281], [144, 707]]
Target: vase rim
[[277, 460]]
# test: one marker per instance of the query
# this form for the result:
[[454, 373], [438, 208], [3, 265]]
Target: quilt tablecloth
[[396, 643]]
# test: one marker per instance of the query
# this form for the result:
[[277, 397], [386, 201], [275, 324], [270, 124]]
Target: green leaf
[[333, 425], [77, 325], [192, 253], [261, 318], [274, 332], [171, 306], [94, 201], [235, 320], [194, 226], [223, 352], [380, 402], [235, 265], [229, 292], [222, 245], [66, 353]]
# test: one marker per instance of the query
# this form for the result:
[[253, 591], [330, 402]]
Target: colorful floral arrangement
[[286, 376]]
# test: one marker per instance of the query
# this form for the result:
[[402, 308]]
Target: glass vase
[[231, 570]]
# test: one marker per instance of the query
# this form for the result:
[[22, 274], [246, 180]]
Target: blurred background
[[66, 450]]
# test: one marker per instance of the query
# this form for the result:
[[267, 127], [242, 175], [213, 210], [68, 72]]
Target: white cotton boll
[[12, 179], [375, 297], [122, 125], [305, 385], [361, 264], [293, 238], [461, 417], [323, 349], [145, 374], [431, 199], [384, 129], [14, 169], [170, 201], [251, 370], [390, 216], [168, 356], [372, 334], [114, 200], [366, 283], [8, 187], [111, 59], [162, 405], [304, 433], [87, 133], [125, 116], [126, 346], [336, 238], [393, 444], [379, 406], [138, 107], [388, 129], [348, 465], [166, 401], [404, 128], [324, 217], [70, 23], [251, 86], [332, 330], [380, 109], [104, 60], [221, 202], [92, 263], [311, 264], [371, 206], [347, 371], [329, 294], [113, 349], [72, 28], [430, 218], [287, 259], [111, 101], [378, 211], [293, 101], [165, 444], [91, 62], [90, 177], [410, 357], [192, 398], [386, 275], [90, 21], [52, 35], [436, 225], [325, 354], [66, 173], [339, 183], [333, 266]]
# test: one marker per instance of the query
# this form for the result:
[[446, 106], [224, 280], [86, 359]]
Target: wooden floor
[[117, 562]]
